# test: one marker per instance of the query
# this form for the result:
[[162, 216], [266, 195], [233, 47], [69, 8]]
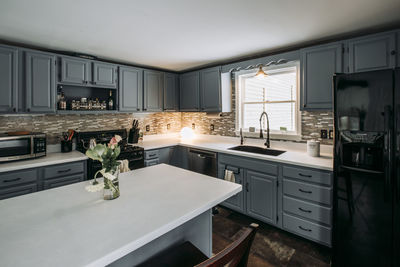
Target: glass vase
[[111, 187]]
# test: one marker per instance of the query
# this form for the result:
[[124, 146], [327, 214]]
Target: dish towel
[[124, 166], [229, 176]]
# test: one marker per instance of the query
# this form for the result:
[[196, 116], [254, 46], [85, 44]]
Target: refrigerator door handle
[[388, 152], [397, 158]]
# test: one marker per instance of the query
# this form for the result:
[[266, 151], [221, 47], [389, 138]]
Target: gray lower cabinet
[[16, 183], [152, 90], [210, 89], [261, 196], [40, 82], [75, 70], [104, 74], [8, 79], [372, 52], [318, 64], [180, 157], [130, 89], [171, 92], [157, 156], [307, 203], [61, 181], [237, 201], [189, 91]]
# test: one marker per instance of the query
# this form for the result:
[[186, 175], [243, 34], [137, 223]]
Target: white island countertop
[[49, 159], [68, 226], [296, 153]]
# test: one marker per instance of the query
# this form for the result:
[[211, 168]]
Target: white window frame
[[280, 135]]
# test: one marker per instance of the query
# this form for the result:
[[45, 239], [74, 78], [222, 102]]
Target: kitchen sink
[[258, 150]]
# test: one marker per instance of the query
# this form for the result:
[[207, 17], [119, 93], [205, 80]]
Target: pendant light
[[260, 73]]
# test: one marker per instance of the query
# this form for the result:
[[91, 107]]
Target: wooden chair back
[[236, 254]]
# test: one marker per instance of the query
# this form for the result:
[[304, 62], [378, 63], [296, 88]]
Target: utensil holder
[[133, 136], [66, 146]]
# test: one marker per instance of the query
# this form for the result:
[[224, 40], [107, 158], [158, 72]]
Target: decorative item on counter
[[103, 105], [62, 103], [107, 155], [110, 104], [313, 148], [133, 137], [66, 143]]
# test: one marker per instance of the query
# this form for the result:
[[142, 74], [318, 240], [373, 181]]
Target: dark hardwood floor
[[271, 246]]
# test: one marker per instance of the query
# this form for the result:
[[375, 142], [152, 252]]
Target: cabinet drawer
[[308, 191], [308, 175], [307, 210], [151, 162], [307, 229], [17, 191], [152, 154], [63, 170], [63, 181], [19, 177]]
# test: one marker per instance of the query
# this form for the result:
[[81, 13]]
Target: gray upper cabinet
[[130, 89], [152, 90], [171, 92], [75, 71], [210, 89], [8, 79], [189, 91], [318, 64], [373, 52], [262, 196], [40, 82], [104, 74]]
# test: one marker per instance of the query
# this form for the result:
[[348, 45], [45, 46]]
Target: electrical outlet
[[168, 126], [212, 127], [324, 134], [147, 128], [193, 126]]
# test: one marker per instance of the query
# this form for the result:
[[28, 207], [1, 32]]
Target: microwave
[[22, 145]]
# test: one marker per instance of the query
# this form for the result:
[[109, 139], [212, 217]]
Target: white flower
[[94, 187]]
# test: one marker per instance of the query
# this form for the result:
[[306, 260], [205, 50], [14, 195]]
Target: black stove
[[134, 154]]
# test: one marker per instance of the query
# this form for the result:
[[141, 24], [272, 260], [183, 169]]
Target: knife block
[[133, 137]]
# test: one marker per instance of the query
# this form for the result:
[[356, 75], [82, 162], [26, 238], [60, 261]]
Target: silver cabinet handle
[[303, 210], [305, 229], [305, 191]]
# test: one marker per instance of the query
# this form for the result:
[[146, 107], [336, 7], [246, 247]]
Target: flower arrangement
[[107, 155]]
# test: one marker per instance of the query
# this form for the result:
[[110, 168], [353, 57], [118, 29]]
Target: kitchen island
[[159, 206]]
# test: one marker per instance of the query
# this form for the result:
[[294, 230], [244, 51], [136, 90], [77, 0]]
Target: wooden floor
[[271, 246]]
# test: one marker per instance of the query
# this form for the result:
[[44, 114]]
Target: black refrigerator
[[366, 219]]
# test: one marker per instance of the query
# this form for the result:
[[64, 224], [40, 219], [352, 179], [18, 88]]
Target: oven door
[[16, 148]]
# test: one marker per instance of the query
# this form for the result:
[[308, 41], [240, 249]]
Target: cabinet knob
[[29, 110], [93, 82], [14, 109], [393, 52]]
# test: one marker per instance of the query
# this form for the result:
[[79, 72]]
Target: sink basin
[[258, 150]]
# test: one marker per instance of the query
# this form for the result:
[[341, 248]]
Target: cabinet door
[[153, 91], [318, 64], [17, 190], [189, 91], [261, 196], [130, 89], [210, 89], [8, 79], [237, 201], [165, 155], [373, 52], [171, 92], [75, 70], [40, 82], [104, 75]]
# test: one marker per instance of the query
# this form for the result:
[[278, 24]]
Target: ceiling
[[182, 34]]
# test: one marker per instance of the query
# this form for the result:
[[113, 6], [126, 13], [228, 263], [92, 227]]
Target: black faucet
[[241, 137], [267, 142]]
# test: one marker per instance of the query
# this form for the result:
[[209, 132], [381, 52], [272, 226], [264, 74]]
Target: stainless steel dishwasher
[[204, 162]]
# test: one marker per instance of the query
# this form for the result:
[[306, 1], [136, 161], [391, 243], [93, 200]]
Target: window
[[276, 94]]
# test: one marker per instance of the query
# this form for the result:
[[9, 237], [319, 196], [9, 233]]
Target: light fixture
[[260, 73], [187, 133]]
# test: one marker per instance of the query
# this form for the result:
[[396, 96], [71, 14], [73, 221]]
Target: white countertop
[[68, 226], [49, 159], [295, 154]]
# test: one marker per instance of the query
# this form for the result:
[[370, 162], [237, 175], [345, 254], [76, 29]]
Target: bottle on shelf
[[110, 102], [62, 103]]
